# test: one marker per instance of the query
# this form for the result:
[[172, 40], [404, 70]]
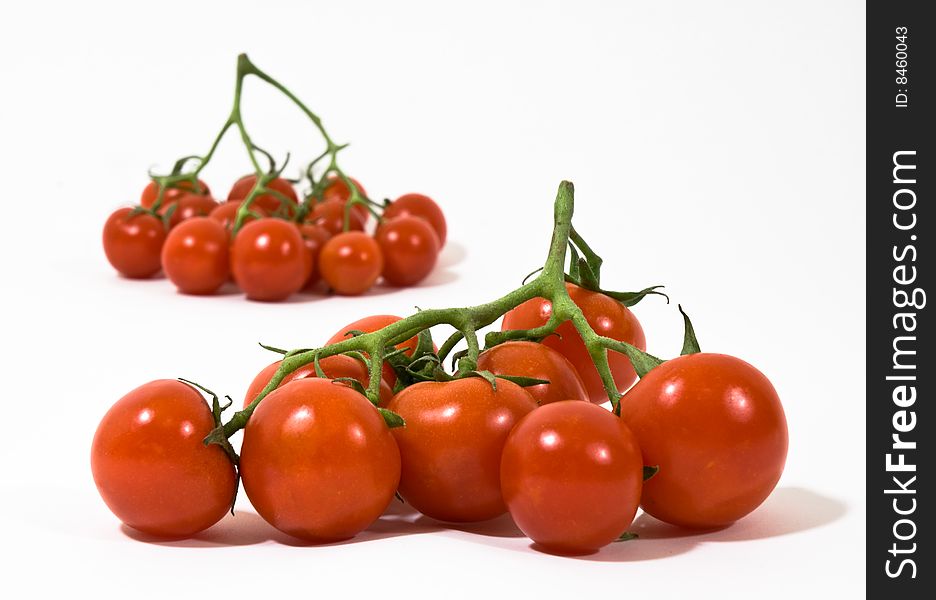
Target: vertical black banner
[[901, 363]]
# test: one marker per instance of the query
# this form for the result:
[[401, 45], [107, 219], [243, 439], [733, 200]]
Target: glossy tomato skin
[[268, 202], [314, 237], [195, 256], [151, 467], [607, 317], [269, 259], [371, 324], [226, 214], [715, 426], [133, 244], [187, 206], [151, 192], [338, 191], [571, 475], [350, 263], [334, 367], [410, 249], [424, 207], [330, 216], [529, 359], [452, 442], [318, 462]]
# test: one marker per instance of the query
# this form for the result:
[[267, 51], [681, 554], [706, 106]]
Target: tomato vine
[[548, 284]]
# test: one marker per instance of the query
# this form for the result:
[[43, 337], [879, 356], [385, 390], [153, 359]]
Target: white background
[[716, 147]]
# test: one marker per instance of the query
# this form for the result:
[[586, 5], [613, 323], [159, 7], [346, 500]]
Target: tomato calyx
[[649, 472], [585, 271], [217, 437], [627, 536]]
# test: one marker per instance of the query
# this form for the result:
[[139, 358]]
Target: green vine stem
[[549, 284], [178, 175]]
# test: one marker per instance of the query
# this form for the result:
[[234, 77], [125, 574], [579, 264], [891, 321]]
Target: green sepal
[[690, 343], [485, 375], [352, 383], [391, 418], [627, 536], [649, 472], [523, 381], [642, 362], [629, 299], [273, 349]]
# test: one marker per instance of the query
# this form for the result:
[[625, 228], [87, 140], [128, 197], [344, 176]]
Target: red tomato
[[318, 461], [269, 259], [420, 206], [151, 467], [369, 325], [187, 206], [151, 192], [334, 367], [314, 237], [350, 263], [338, 191], [571, 475], [608, 318], [226, 214], [330, 216], [410, 249], [716, 428], [452, 442], [195, 256], [133, 244], [529, 359], [268, 202]]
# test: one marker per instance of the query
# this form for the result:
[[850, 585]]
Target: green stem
[[549, 284]]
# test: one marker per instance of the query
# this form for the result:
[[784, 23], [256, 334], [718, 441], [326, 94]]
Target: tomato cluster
[[522, 434], [282, 246]]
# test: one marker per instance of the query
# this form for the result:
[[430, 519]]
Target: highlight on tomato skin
[[451, 445], [151, 466], [318, 461], [715, 426], [571, 475], [537, 361], [133, 243], [607, 316]]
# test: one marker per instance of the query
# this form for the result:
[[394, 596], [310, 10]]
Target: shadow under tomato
[[787, 511], [244, 528], [498, 527]]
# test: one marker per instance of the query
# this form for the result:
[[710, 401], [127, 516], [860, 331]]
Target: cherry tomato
[[369, 325], [529, 359], [420, 206], [452, 442], [338, 191], [330, 216], [226, 214], [318, 461], [133, 244], [314, 237], [269, 259], [187, 206], [608, 318], [571, 475], [410, 249], [195, 256], [151, 467], [350, 263], [716, 428], [151, 192], [334, 367], [268, 202]]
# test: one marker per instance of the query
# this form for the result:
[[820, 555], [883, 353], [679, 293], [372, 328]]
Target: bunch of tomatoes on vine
[[271, 242], [511, 420]]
